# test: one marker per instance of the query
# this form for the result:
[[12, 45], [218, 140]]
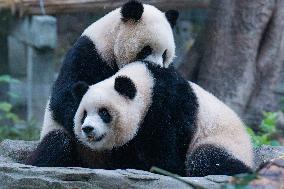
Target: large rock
[[267, 153], [271, 175], [13, 174], [16, 150]]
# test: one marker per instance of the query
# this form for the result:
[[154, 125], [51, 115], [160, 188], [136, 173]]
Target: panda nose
[[87, 129]]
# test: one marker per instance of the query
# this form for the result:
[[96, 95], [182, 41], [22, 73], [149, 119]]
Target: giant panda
[[147, 115], [133, 32]]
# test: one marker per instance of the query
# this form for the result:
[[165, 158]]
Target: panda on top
[[146, 115], [133, 32]]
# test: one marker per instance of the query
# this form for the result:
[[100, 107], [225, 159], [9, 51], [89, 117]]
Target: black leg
[[208, 159], [57, 149]]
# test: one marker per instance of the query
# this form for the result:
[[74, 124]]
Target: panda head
[[110, 112], [134, 32]]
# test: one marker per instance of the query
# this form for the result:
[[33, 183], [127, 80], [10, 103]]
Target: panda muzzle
[[92, 138], [91, 134]]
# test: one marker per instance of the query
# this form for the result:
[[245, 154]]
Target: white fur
[[122, 41], [126, 113], [103, 34], [49, 124], [94, 120], [217, 124]]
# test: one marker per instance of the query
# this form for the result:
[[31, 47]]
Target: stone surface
[[16, 150], [13, 174], [280, 117], [266, 153], [270, 176]]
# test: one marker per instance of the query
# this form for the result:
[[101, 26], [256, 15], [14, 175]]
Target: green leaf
[[268, 124], [255, 139], [5, 78], [275, 143], [13, 95], [8, 79], [12, 117], [5, 106], [250, 131]]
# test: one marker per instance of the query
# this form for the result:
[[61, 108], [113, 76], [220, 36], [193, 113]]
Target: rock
[[13, 174], [280, 121], [271, 175], [266, 153], [16, 150]]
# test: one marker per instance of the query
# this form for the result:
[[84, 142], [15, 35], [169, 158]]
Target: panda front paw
[[56, 149]]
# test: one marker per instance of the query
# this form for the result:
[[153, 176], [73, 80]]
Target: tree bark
[[238, 55]]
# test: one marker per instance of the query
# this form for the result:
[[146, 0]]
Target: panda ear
[[132, 10], [125, 86], [79, 89], [172, 16]]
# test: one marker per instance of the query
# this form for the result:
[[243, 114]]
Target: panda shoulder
[[210, 103], [203, 94]]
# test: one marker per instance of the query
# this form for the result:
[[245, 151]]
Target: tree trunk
[[238, 57]]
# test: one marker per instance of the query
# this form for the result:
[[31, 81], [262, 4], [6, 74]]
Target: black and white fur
[[134, 32], [146, 115]]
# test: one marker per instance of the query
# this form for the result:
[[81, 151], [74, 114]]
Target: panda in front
[[146, 115], [133, 32]]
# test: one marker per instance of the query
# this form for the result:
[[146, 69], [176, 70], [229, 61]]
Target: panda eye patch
[[146, 51], [84, 117], [104, 114], [164, 56]]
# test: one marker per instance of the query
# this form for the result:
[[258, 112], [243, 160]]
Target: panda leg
[[49, 124], [208, 159], [56, 149]]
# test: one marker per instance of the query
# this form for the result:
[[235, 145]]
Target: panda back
[[219, 125]]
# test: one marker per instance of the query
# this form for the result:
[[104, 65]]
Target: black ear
[[125, 86], [79, 89], [132, 10], [172, 16]]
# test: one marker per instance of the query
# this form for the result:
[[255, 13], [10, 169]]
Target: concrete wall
[[31, 45]]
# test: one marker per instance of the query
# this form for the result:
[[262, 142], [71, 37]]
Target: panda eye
[[164, 56], [104, 114], [146, 51], [84, 117]]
